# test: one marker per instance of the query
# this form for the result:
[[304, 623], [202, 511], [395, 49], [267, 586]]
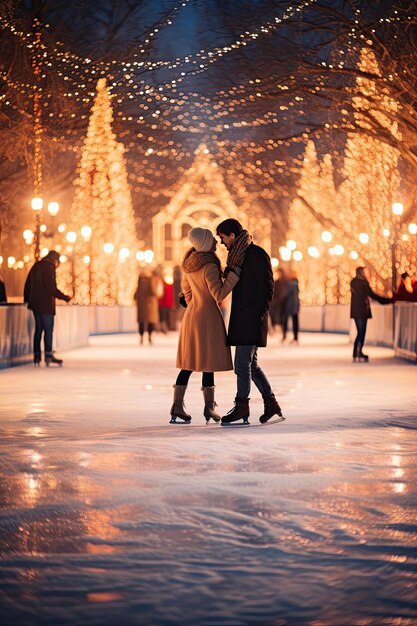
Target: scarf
[[194, 261], [237, 253]]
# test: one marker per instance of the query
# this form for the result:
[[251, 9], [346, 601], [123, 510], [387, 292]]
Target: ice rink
[[110, 515]]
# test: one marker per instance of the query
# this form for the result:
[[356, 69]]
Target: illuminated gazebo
[[202, 200]]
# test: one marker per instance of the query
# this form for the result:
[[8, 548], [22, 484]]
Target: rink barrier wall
[[17, 324], [74, 324]]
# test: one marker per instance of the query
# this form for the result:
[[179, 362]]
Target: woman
[[202, 341], [146, 297], [360, 309], [292, 307]]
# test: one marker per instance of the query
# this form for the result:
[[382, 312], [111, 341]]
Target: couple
[[203, 345]]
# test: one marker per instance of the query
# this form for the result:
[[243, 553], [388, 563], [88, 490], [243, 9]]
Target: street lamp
[[37, 206]]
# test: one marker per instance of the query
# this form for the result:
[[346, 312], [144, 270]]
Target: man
[[40, 292], [248, 325]]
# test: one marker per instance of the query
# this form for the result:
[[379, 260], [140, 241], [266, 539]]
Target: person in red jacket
[[40, 292], [166, 304]]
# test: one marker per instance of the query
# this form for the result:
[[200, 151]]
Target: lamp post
[[35, 236]]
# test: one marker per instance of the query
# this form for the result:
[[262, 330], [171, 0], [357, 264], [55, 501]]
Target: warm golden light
[[53, 208], [297, 255], [285, 253], [313, 252], [71, 236], [28, 235], [149, 256], [86, 232], [140, 256], [386, 232], [274, 262], [397, 208], [44, 252], [62, 228], [412, 229], [86, 259], [124, 253], [339, 249], [11, 260], [108, 248], [354, 255], [291, 244], [326, 236], [37, 204], [363, 237]]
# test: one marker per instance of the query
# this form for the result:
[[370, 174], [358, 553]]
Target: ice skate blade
[[173, 420], [244, 425]]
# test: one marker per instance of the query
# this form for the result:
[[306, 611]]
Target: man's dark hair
[[228, 227]]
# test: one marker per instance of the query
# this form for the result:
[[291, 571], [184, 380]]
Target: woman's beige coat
[[202, 341]]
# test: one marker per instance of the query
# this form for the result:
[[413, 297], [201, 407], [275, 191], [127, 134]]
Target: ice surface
[[110, 515]]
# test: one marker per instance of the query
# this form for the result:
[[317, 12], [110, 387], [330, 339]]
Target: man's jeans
[[44, 323], [247, 369]]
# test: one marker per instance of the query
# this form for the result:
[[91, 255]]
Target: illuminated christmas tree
[[319, 270], [104, 266], [372, 179]]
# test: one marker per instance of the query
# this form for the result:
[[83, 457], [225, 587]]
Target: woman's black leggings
[[184, 376]]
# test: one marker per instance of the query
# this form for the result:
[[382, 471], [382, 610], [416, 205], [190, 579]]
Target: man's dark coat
[[40, 288], [251, 299], [360, 306]]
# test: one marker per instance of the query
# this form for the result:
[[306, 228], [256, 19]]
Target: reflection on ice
[[111, 516]]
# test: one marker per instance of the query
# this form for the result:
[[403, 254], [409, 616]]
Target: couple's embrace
[[203, 345]]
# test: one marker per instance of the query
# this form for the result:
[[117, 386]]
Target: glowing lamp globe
[[53, 208], [37, 204]]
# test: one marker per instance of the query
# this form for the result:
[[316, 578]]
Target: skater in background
[[166, 304], [360, 309], [202, 340], [40, 291], [146, 296], [248, 325], [407, 289], [277, 310], [3, 296], [292, 307]]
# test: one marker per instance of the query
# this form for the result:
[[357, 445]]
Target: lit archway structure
[[202, 200]]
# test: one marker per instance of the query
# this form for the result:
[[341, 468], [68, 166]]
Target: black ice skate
[[50, 359], [239, 412], [271, 408]]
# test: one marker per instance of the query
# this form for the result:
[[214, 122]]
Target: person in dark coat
[[277, 310], [3, 296], [360, 309], [292, 307], [248, 325], [40, 292]]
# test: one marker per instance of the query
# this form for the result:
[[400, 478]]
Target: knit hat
[[201, 239]]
